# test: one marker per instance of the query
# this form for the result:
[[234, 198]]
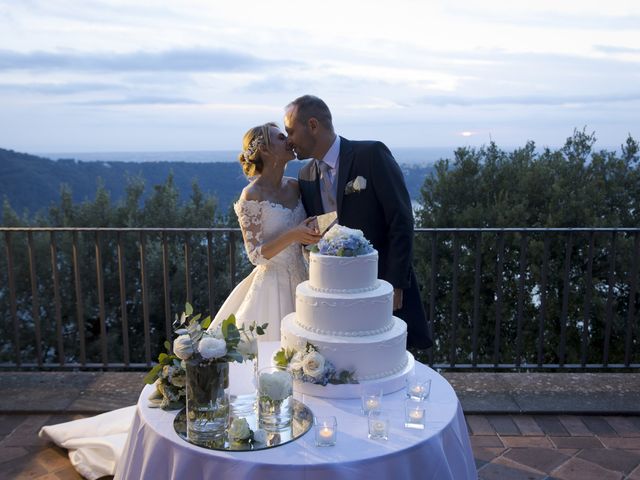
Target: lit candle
[[379, 427], [416, 414], [417, 389], [326, 433], [372, 403]]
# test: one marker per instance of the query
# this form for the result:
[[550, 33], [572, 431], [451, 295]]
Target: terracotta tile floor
[[504, 446], [555, 446]]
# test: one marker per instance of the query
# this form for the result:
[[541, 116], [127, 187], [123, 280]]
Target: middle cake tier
[[345, 314]]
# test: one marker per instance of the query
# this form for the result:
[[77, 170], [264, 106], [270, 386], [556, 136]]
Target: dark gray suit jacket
[[383, 212]]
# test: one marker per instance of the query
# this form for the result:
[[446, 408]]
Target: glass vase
[[275, 394], [207, 403], [242, 387]]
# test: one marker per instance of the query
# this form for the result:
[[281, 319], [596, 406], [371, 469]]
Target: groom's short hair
[[310, 106]]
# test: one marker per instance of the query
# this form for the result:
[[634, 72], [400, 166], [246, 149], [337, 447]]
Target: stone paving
[[545, 443]]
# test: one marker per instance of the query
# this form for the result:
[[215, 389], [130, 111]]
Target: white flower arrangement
[[341, 241], [356, 185], [311, 366], [197, 343]]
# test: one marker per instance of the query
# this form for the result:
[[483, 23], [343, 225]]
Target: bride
[[274, 226]]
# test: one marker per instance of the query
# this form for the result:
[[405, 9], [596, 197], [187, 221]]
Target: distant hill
[[33, 183]]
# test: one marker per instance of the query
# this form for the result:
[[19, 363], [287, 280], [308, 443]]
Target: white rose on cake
[[296, 361], [313, 365]]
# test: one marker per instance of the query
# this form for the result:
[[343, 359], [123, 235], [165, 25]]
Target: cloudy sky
[[152, 75]]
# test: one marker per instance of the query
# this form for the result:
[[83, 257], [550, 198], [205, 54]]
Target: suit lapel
[[344, 169]]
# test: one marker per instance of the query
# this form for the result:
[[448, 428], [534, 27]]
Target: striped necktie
[[326, 188]]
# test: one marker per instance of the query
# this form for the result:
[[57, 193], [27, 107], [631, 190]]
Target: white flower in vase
[[276, 386], [212, 347], [183, 347]]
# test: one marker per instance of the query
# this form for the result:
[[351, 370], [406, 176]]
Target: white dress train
[[265, 296]]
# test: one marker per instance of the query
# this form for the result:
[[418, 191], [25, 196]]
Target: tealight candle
[[372, 404], [378, 425], [414, 416], [326, 431], [418, 388], [371, 400]]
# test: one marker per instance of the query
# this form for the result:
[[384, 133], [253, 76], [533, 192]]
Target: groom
[[362, 182]]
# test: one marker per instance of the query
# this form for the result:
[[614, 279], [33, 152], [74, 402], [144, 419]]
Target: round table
[[440, 451]]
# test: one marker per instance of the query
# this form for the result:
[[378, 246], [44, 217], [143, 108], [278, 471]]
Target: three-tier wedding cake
[[343, 333]]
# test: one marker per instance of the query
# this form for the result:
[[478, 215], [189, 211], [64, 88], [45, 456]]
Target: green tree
[[162, 208], [574, 186]]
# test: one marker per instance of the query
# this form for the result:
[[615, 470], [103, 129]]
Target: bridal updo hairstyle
[[250, 158]]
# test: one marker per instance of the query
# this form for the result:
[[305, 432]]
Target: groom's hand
[[397, 299]]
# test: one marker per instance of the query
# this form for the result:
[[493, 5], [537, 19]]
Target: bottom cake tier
[[380, 359]]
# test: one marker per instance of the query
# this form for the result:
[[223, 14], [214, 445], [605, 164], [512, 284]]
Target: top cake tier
[[334, 274]]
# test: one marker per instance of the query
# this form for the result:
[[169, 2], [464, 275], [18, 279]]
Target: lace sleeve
[[249, 214]]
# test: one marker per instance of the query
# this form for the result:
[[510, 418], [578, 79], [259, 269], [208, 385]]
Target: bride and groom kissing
[[359, 180]]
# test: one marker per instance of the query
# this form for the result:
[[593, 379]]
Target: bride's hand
[[306, 232], [312, 222]]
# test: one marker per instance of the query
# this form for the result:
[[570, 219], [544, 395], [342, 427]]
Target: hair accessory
[[251, 149]]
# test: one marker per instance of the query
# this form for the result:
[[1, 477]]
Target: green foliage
[[283, 357], [120, 259], [575, 186]]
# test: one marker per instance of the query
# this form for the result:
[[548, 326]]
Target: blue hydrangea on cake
[[341, 241]]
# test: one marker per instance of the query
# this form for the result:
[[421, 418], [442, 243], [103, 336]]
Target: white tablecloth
[[441, 451]]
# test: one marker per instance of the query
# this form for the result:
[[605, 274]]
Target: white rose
[[182, 347], [248, 346], [239, 430], [260, 436], [296, 361], [359, 184], [211, 347], [276, 386], [313, 365]]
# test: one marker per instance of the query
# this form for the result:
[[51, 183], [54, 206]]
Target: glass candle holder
[[414, 414], [326, 430], [371, 399], [378, 425], [418, 388]]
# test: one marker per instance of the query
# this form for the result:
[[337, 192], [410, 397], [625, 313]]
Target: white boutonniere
[[357, 185]]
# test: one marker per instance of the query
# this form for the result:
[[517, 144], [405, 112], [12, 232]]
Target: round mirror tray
[[300, 424]]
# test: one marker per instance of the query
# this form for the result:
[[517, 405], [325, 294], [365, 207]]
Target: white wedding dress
[[267, 295]]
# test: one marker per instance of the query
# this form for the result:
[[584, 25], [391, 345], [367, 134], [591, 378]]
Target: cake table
[[441, 451]]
